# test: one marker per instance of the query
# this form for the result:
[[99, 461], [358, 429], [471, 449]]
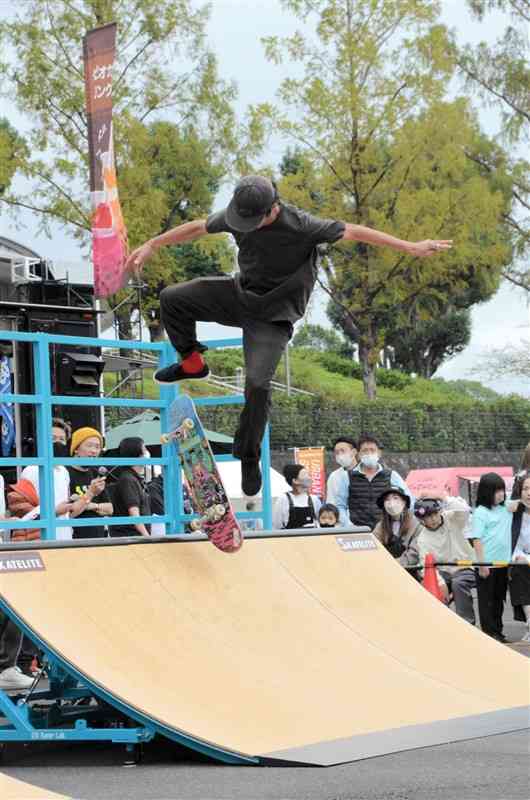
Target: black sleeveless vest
[[363, 494]]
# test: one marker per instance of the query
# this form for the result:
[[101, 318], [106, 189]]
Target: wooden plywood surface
[[12, 789], [291, 641]]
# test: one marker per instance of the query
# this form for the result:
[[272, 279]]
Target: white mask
[[369, 461], [345, 460], [394, 507]]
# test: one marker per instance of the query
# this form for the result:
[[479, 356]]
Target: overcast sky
[[234, 30]]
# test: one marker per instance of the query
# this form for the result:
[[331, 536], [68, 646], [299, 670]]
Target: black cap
[[393, 490], [426, 506], [253, 198]]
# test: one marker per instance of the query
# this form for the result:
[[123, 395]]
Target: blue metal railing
[[44, 400]]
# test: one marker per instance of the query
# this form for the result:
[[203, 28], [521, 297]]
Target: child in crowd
[[519, 577], [328, 516], [297, 508], [444, 524], [492, 535], [397, 529]]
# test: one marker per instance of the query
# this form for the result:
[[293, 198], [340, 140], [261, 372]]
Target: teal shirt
[[493, 526]]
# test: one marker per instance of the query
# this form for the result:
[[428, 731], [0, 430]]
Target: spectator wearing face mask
[[61, 480], [367, 481], [398, 529], [130, 497], [328, 516], [297, 508], [345, 452], [444, 522]]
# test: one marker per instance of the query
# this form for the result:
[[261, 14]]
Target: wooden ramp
[[313, 649], [11, 789]]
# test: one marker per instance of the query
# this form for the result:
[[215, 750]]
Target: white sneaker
[[526, 638], [13, 678]]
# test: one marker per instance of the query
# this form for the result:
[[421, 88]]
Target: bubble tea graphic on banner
[[109, 235]]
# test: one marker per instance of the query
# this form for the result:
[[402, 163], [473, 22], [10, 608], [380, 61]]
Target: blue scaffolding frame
[[43, 400]]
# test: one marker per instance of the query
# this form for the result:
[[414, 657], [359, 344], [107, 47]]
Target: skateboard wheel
[[165, 438], [188, 424], [219, 510]]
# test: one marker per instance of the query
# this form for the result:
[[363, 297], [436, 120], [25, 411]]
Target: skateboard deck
[[189, 442]]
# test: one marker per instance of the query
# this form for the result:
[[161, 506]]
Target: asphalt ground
[[492, 768]]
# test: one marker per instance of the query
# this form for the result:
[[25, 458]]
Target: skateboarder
[[278, 262]]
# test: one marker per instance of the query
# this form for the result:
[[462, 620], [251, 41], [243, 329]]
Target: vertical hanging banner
[[7, 418], [109, 235], [313, 459]]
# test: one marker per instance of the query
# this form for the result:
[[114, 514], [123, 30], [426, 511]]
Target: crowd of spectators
[[361, 492], [364, 492]]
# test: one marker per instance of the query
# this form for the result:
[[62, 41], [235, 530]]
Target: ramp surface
[[11, 789], [316, 649]]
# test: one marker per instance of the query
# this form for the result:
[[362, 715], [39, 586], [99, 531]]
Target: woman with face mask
[[398, 529], [297, 508], [519, 577]]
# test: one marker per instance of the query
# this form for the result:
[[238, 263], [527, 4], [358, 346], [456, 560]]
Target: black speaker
[[74, 370]]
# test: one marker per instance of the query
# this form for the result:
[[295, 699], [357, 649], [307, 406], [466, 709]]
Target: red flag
[[109, 235]]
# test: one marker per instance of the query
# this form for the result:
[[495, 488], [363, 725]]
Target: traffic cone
[[430, 580]]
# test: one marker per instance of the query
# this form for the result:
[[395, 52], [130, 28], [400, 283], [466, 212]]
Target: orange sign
[[313, 460]]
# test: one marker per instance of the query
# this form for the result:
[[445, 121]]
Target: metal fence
[[400, 429], [44, 401]]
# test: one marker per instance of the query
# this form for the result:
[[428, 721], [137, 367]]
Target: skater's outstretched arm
[[428, 247], [186, 232]]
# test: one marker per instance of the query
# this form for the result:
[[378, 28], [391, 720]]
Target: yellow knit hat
[[79, 436]]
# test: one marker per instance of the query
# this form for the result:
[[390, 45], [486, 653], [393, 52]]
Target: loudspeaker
[[74, 370]]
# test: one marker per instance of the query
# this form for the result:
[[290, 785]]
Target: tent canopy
[[147, 425]]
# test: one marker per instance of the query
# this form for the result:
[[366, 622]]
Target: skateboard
[[210, 501]]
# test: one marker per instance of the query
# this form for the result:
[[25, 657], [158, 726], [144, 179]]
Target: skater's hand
[[138, 257], [484, 572], [430, 247]]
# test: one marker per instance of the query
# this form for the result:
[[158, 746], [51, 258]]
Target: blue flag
[[7, 418]]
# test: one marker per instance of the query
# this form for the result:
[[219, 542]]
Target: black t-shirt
[[129, 491], [278, 263], [79, 482]]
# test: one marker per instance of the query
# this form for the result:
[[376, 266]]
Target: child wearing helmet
[[444, 524]]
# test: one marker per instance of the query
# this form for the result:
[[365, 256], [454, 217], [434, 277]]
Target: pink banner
[[109, 235], [446, 478], [314, 461]]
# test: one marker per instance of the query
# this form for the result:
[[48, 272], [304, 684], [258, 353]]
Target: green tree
[[426, 344], [499, 74], [167, 171], [382, 148], [12, 153], [317, 337]]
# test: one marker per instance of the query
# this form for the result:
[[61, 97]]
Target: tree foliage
[[379, 146], [499, 74], [175, 131], [322, 339], [12, 153]]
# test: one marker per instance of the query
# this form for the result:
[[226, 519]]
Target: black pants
[[491, 592], [10, 642], [217, 300]]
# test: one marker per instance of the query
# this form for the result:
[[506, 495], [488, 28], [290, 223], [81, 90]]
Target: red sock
[[193, 363]]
